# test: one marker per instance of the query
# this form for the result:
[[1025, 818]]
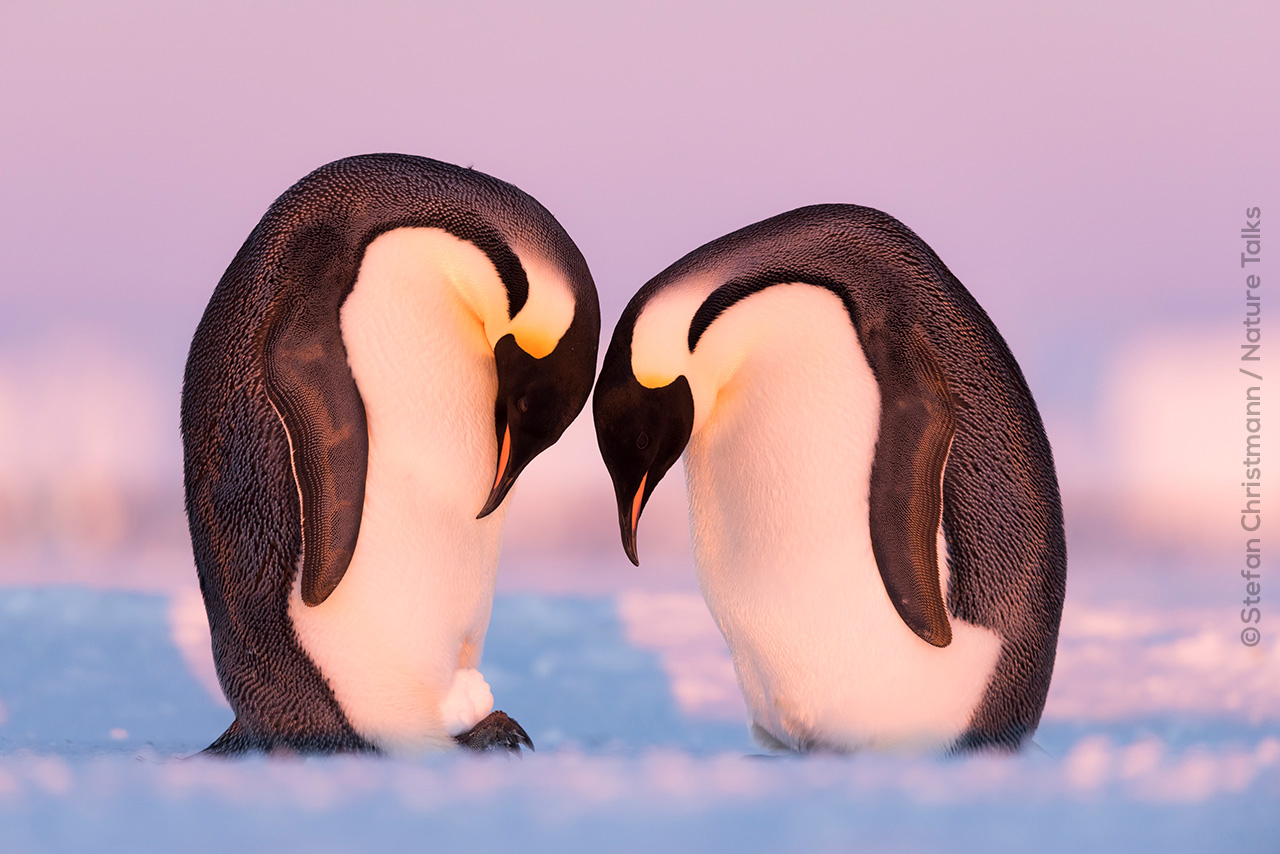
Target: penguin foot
[[497, 731]]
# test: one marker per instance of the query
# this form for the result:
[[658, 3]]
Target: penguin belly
[[400, 637], [779, 486]]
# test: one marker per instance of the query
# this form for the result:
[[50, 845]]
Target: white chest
[[779, 481], [414, 604]]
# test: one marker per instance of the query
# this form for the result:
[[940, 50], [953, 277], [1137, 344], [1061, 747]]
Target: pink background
[[1084, 171]]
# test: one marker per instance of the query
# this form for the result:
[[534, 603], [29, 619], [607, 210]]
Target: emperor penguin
[[874, 511], [394, 342]]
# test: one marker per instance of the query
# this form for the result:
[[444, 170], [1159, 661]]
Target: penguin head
[[641, 432], [537, 400], [651, 397], [545, 358]]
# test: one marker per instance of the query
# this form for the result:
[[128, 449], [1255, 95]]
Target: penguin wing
[[917, 422], [312, 389]]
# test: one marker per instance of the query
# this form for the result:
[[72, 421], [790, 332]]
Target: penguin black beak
[[629, 519], [516, 451], [505, 478]]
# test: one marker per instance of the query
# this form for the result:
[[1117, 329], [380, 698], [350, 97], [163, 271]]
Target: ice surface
[[98, 707]]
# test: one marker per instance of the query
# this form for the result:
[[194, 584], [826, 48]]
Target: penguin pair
[[875, 514]]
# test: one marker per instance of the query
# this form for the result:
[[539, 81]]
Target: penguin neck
[[761, 329], [546, 314], [660, 344]]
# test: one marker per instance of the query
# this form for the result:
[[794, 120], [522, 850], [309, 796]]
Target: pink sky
[[1083, 170], [1074, 163]]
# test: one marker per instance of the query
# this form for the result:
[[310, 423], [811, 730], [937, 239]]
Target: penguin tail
[[233, 742]]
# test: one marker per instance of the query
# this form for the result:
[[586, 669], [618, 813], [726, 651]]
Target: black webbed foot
[[496, 732]]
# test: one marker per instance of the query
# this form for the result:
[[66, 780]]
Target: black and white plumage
[[395, 341], [875, 514]]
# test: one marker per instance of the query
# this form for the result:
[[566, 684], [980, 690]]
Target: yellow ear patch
[[547, 314], [659, 342], [536, 342], [655, 379]]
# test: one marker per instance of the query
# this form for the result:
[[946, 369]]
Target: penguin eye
[[642, 441], [523, 404]]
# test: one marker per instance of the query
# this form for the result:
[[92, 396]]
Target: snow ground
[[1160, 734]]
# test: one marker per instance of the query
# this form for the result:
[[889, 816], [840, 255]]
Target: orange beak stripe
[[503, 456], [635, 504]]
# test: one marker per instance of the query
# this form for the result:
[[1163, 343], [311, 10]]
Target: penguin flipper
[[311, 386], [917, 422]]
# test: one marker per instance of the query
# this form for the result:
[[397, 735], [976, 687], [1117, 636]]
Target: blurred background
[[1083, 169]]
